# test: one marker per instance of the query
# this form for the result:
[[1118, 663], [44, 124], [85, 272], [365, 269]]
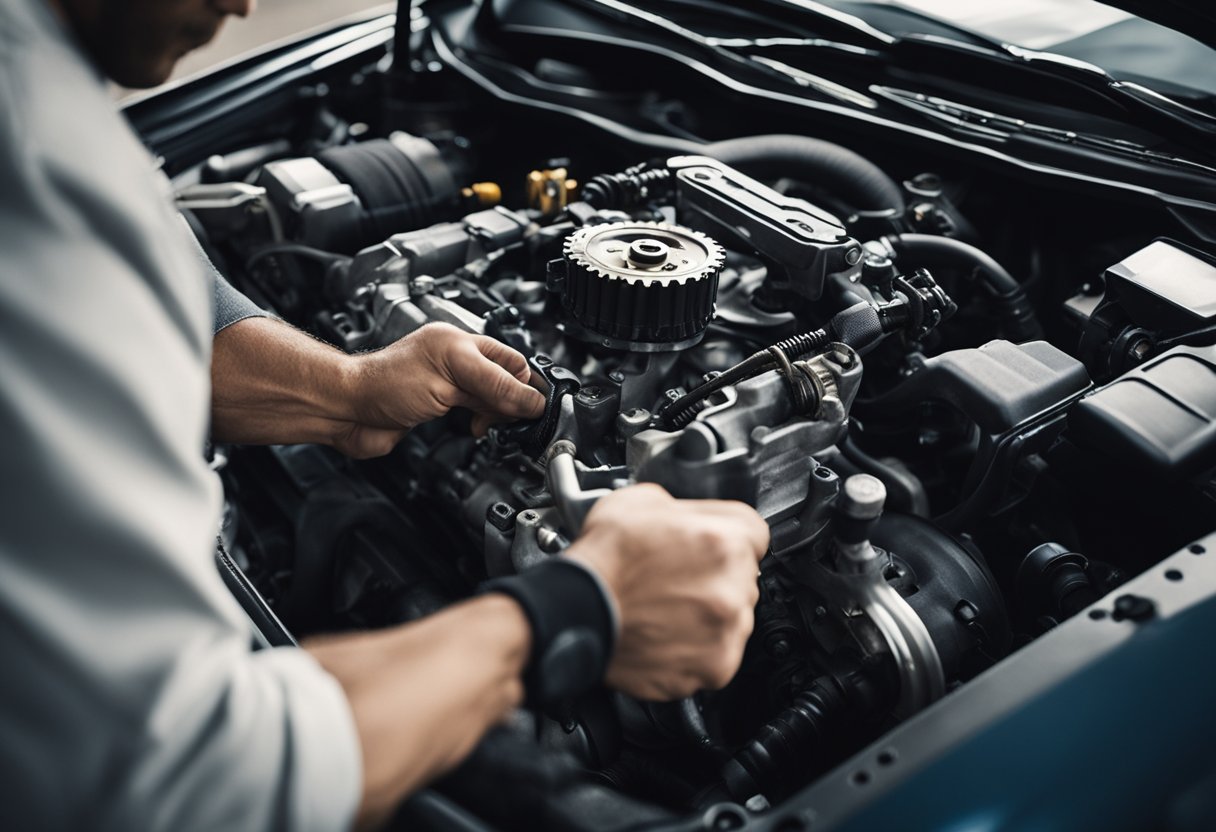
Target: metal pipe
[[561, 476]]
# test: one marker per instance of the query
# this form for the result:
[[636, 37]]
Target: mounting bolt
[[548, 540], [501, 516], [631, 422], [422, 285], [1134, 608]]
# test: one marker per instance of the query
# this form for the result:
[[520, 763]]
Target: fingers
[[482, 421], [490, 383], [508, 395], [643, 495], [738, 520], [685, 579], [502, 355], [480, 424], [744, 519]]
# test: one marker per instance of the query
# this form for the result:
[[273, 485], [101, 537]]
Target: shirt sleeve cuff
[[327, 759], [230, 305]]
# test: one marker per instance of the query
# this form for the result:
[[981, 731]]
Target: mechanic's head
[[138, 42]]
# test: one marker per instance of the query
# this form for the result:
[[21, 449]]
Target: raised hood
[[1194, 18]]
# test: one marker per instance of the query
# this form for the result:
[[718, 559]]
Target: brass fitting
[[550, 190], [486, 194]]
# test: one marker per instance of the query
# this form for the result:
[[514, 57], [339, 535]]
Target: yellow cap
[[487, 194]]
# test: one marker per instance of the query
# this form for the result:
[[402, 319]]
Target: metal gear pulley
[[641, 285]]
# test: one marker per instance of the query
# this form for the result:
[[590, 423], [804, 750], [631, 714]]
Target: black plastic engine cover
[[999, 385], [1159, 417], [1165, 287]]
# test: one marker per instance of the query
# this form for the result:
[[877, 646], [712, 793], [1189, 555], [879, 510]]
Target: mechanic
[[131, 698]]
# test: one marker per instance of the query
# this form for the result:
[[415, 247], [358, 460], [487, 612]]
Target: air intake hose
[[1021, 322], [856, 179]]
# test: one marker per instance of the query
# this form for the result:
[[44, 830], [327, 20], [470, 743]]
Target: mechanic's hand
[[684, 575], [426, 374]]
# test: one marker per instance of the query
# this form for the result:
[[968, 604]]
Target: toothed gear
[[641, 282]]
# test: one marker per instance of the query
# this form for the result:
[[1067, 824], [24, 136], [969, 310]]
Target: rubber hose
[[905, 491], [1021, 322], [787, 743], [835, 168], [753, 365]]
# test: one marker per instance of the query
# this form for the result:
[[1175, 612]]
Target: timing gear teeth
[[647, 283], [579, 248]]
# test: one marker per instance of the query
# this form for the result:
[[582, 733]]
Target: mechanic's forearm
[[273, 384], [424, 693]]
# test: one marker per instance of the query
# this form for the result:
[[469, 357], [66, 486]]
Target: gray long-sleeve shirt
[[129, 698]]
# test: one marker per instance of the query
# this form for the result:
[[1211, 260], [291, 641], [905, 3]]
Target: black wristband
[[574, 625]]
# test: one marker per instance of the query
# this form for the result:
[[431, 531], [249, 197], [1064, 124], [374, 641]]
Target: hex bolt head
[[501, 516]]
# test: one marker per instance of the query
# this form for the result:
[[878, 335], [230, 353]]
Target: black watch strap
[[574, 627]]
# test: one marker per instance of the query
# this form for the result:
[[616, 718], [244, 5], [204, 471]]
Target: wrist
[[353, 377], [574, 624], [363, 385], [603, 559], [505, 624]]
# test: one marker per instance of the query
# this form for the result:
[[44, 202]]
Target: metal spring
[[625, 190], [681, 411], [804, 344]]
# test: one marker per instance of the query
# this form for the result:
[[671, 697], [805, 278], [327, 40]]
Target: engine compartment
[[952, 460]]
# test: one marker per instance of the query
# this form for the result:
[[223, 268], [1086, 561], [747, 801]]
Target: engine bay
[[952, 460]]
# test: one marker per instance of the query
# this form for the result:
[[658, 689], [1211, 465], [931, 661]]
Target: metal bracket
[[805, 241]]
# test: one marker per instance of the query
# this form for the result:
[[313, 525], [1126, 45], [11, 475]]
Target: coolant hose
[[1021, 322], [905, 492], [837, 169]]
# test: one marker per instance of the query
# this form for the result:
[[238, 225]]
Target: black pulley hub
[[640, 285]]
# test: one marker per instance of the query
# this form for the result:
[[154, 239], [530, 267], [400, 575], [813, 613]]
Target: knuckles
[[727, 660], [714, 544], [651, 490], [719, 675], [708, 549], [721, 609]]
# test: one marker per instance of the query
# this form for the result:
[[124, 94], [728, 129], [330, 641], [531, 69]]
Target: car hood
[[1193, 18]]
